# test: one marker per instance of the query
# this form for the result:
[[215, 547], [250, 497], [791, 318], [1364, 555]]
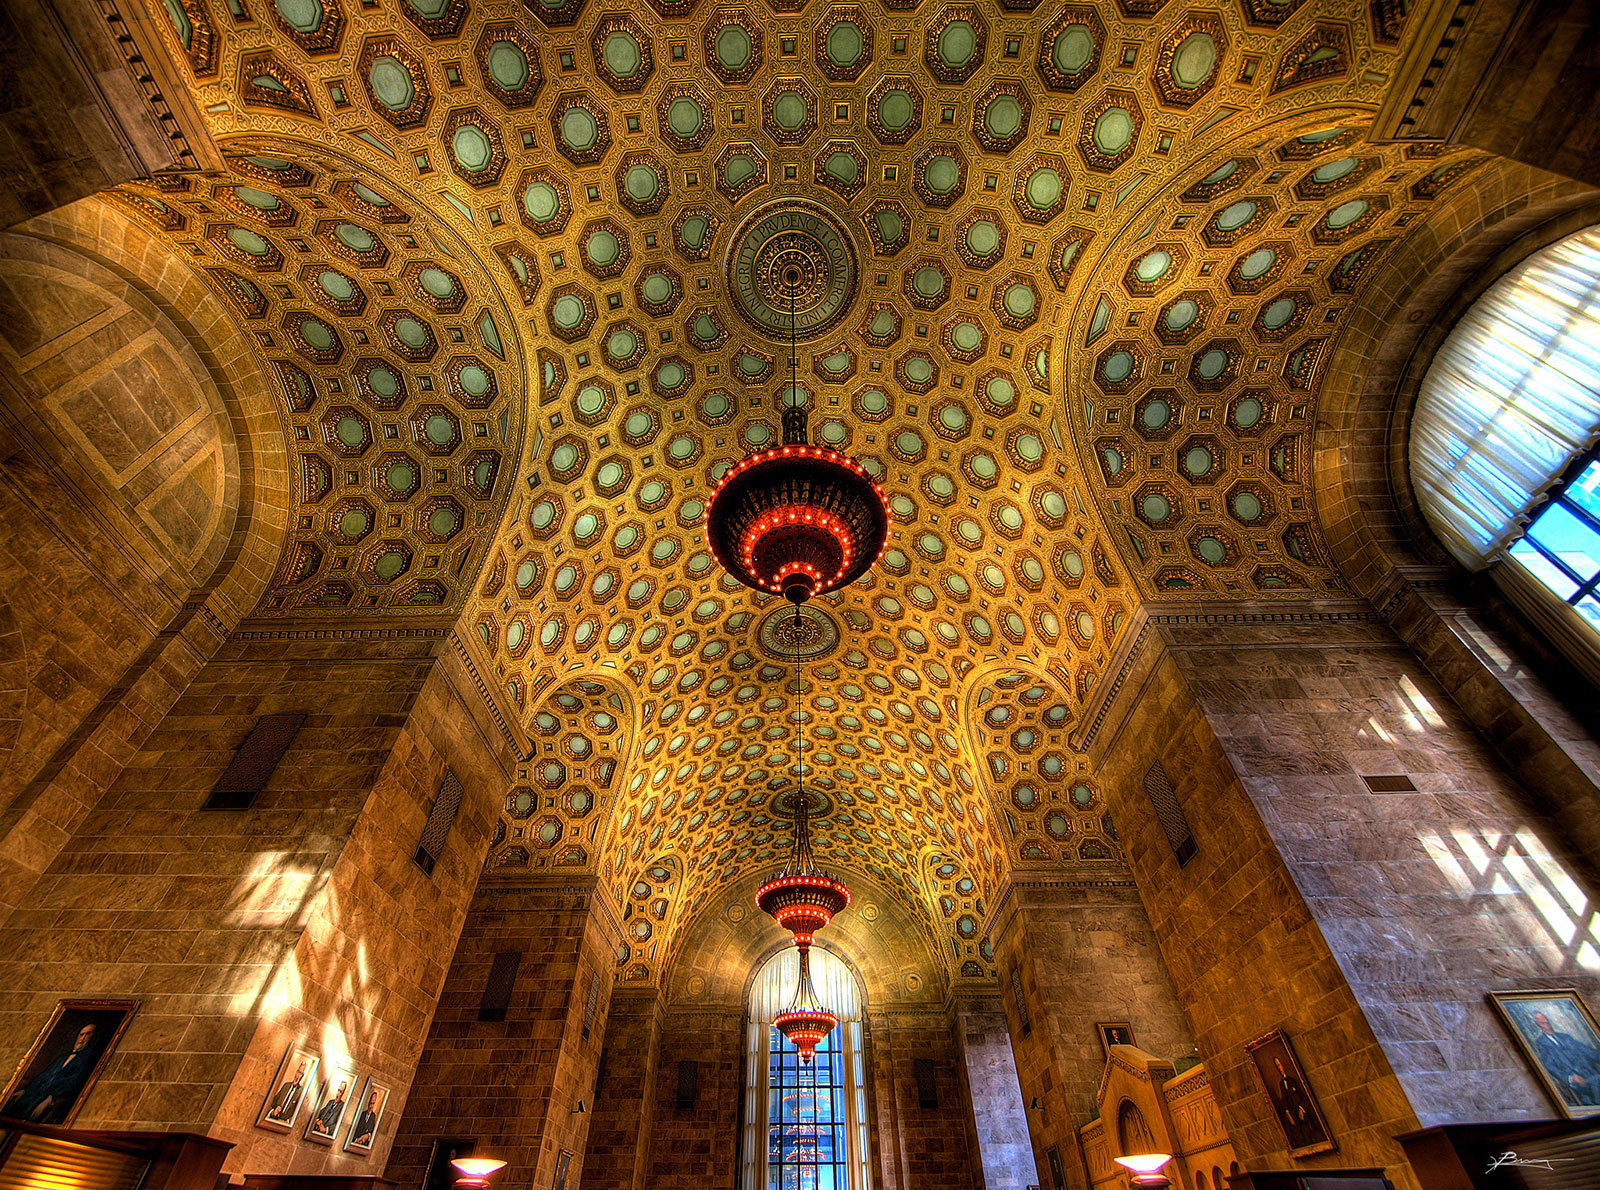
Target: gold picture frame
[[335, 1093], [1294, 1104], [366, 1117], [1113, 1033], [1563, 1048], [81, 1032]]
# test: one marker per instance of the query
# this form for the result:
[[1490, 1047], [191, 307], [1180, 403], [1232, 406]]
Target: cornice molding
[[520, 746], [168, 103], [258, 631], [1004, 902], [1190, 1081], [1149, 617], [1156, 1072]]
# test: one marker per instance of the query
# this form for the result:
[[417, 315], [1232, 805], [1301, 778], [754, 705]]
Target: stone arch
[[118, 401], [558, 816], [116, 251], [651, 908], [887, 941], [1031, 784]]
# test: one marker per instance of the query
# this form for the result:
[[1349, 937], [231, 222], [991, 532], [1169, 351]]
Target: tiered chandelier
[[796, 520], [803, 899]]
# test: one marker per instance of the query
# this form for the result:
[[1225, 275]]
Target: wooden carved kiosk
[[1146, 1106]]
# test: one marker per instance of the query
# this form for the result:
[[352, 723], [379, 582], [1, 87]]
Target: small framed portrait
[[1114, 1033], [335, 1092], [1293, 1104], [291, 1086], [366, 1116], [1557, 1035], [563, 1163], [59, 1069]]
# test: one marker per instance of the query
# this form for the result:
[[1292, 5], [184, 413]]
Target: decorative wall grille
[[1022, 1000], [497, 992], [688, 1084], [1174, 823], [254, 763], [440, 819], [927, 1087]]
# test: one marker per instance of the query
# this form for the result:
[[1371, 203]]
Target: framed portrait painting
[[61, 1066], [366, 1117], [335, 1092], [1293, 1105], [1114, 1033], [291, 1086], [1558, 1036], [563, 1163]]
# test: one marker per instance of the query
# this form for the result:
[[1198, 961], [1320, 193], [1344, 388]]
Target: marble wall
[[515, 1084], [301, 918]]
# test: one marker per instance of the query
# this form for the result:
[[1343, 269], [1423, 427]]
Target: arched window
[[1503, 439], [805, 1126]]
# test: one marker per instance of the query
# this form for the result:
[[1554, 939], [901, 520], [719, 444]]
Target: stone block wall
[[698, 1148], [1428, 899], [1087, 955], [514, 1084], [622, 1127], [300, 918], [918, 1148], [999, 1141], [366, 972], [1241, 945]]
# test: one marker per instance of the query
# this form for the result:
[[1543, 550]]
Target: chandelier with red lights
[[805, 1022], [803, 899], [796, 520]]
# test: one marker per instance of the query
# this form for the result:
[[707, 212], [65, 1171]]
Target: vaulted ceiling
[[1097, 254]]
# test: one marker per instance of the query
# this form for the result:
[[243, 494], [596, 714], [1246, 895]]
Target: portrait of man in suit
[[290, 1089], [58, 1072], [1557, 1032], [325, 1122], [1294, 1105], [287, 1101], [365, 1130]]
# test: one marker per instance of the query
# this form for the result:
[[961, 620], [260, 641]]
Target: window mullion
[[1550, 556]]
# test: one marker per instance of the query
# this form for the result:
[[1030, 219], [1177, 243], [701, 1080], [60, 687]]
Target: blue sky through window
[[1562, 545]]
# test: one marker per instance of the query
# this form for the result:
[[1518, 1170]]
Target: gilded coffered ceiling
[[1080, 266]]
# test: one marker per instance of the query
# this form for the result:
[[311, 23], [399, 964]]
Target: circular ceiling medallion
[[798, 248], [809, 637], [818, 805]]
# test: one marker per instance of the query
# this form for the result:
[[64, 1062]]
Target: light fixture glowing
[[473, 1173], [1144, 1169], [805, 1022], [797, 520]]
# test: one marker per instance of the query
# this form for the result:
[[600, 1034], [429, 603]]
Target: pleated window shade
[[1510, 400]]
